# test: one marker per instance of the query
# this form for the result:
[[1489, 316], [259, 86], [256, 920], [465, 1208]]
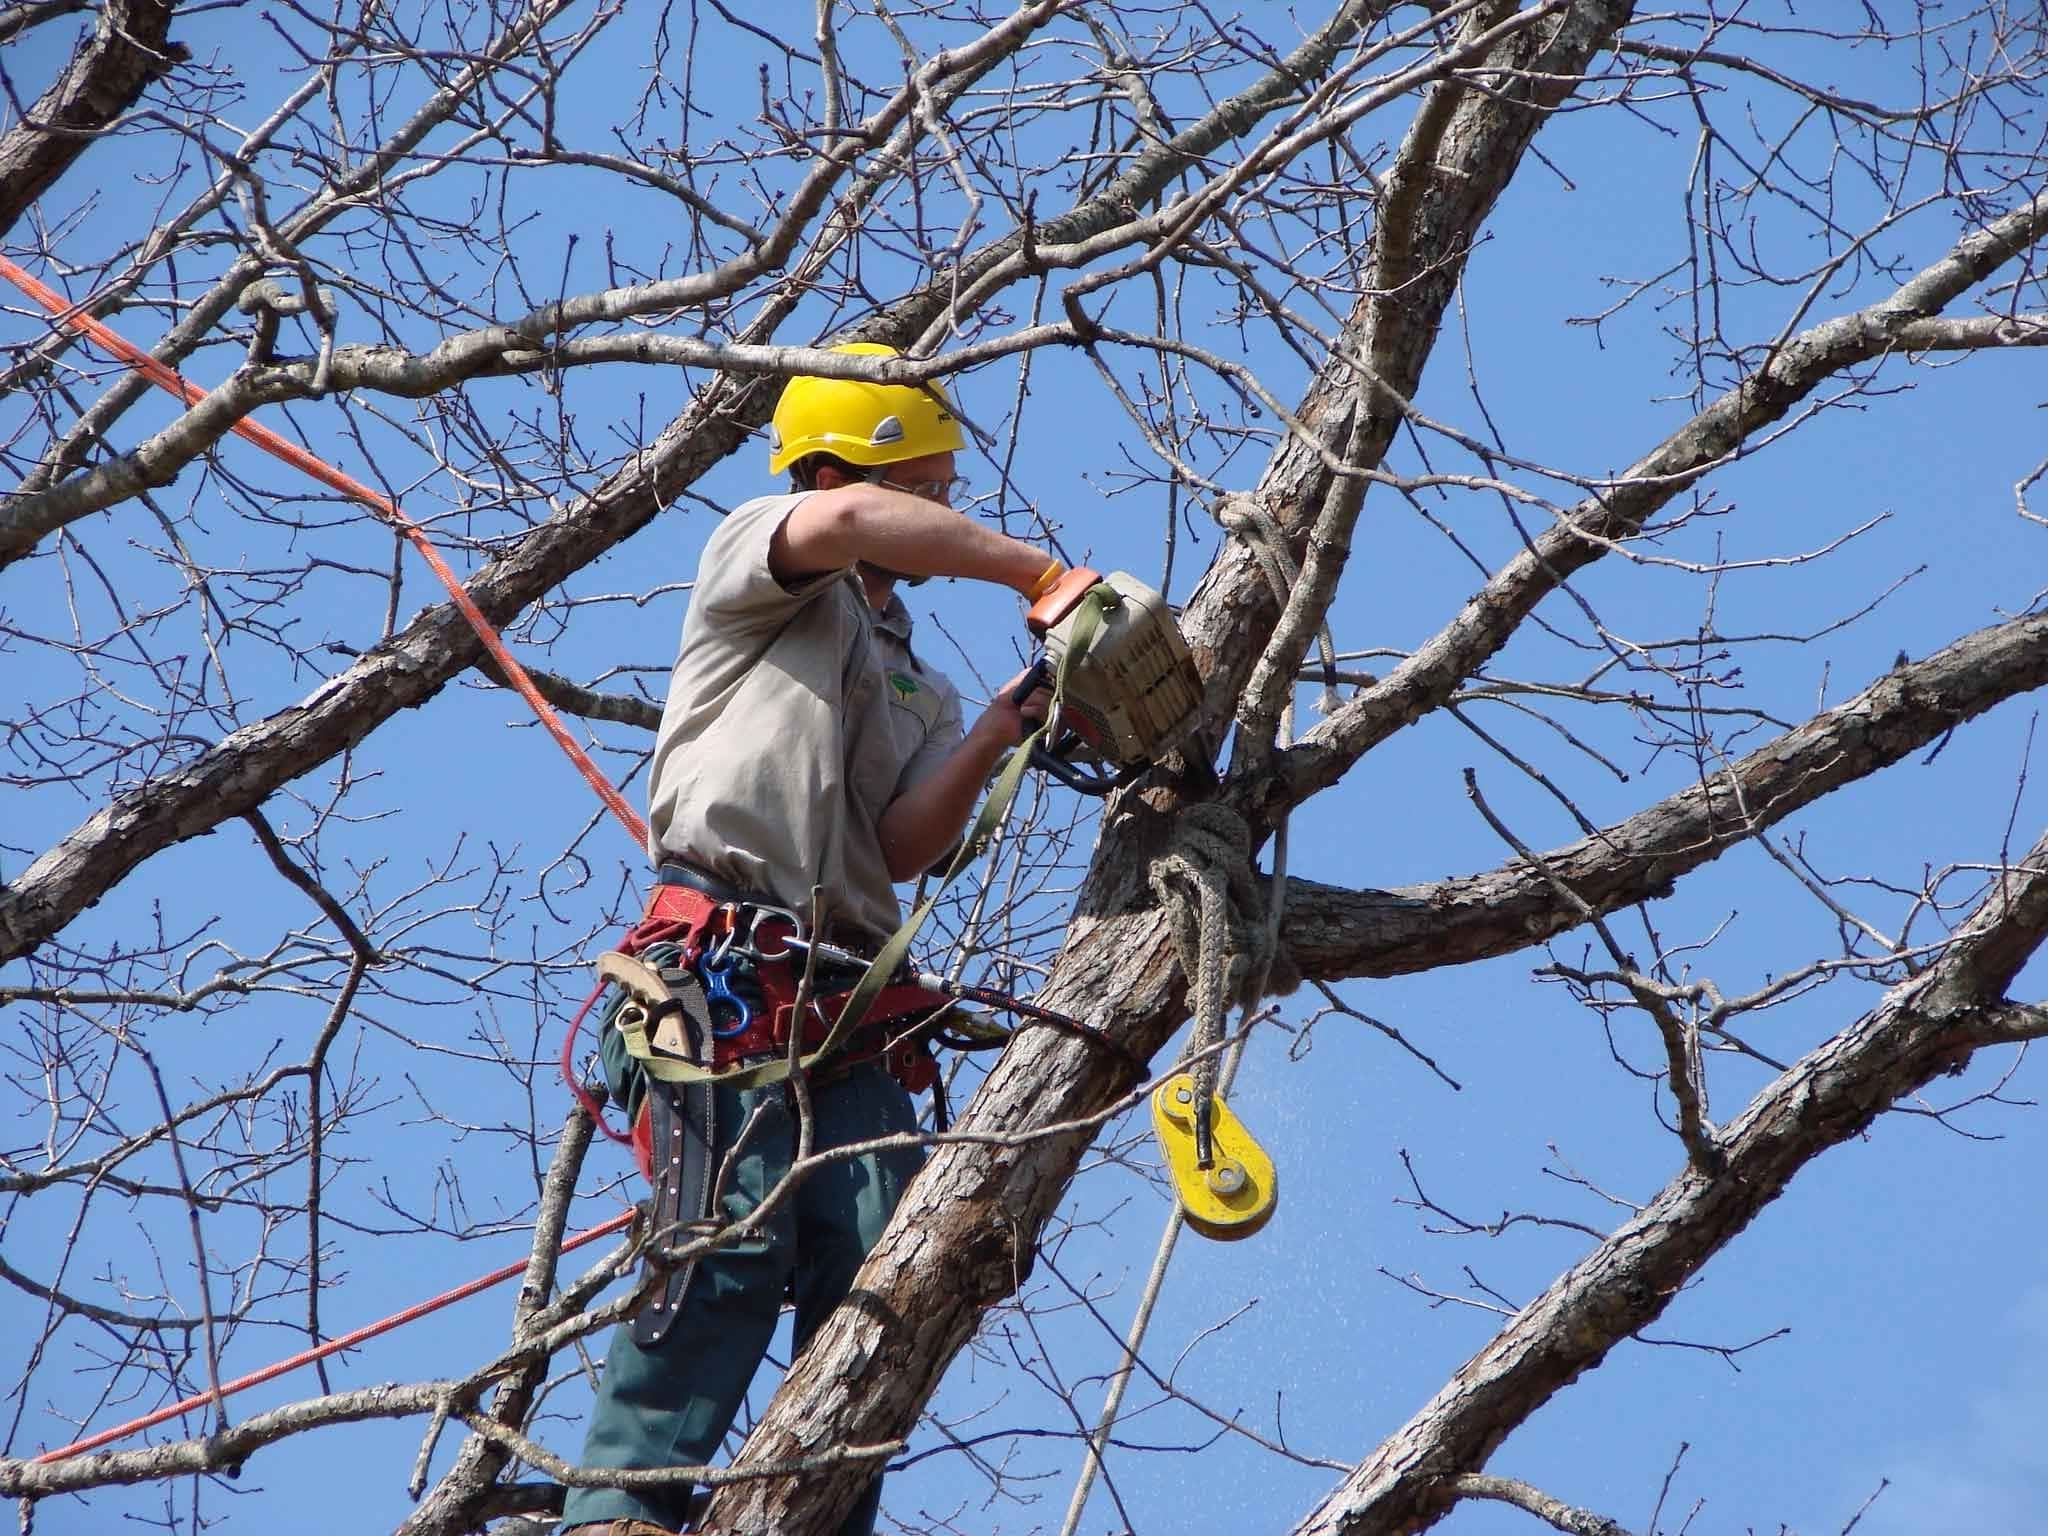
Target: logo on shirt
[[904, 684]]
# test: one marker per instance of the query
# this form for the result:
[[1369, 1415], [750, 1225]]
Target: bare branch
[[129, 51], [1922, 1028]]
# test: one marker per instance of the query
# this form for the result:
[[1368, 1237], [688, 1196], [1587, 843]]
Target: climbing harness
[[1117, 667], [698, 933], [674, 1010], [672, 972]]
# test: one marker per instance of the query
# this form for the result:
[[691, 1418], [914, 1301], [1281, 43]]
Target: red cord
[[649, 930], [592, 1104], [321, 1352], [167, 378]]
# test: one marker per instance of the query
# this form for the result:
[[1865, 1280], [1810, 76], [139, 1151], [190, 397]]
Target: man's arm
[[830, 530], [925, 820]]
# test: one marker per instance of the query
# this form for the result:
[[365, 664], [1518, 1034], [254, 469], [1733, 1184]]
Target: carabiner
[[757, 913], [718, 989], [718, 955]]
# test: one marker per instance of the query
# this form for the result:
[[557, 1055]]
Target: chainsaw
[[1127, 690]]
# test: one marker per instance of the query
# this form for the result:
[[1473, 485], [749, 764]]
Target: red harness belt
[[698, 923]]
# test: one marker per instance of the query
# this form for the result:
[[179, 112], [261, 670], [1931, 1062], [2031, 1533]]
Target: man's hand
[[1007, 720]]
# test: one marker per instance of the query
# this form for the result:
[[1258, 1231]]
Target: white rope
[[1155, 1281], [1210, 860], [1204, 883]]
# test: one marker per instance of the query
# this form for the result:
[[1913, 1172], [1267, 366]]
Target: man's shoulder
[[748, 517], [735, 582]]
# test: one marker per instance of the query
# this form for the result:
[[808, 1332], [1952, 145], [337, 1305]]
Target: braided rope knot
[[1205, 883]]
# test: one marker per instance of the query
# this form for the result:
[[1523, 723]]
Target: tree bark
[[1333, 934], [129, 51], [962, 1241]]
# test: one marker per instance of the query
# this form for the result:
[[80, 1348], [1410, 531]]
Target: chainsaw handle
[[1086, 781], [1040, 676], [1052, 760], [1059, 599]]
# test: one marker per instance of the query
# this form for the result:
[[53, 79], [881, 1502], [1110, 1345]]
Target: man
[[803, 744]]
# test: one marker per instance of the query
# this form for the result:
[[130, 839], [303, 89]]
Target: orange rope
[[332, 1346], [165, 377]]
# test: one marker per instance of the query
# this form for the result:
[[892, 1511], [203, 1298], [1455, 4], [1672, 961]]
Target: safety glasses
[[946, 491]]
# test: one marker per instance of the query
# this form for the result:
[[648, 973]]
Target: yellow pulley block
[[1234, 1196]]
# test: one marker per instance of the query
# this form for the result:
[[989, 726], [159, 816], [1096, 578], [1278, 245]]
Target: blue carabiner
[[719, 990]]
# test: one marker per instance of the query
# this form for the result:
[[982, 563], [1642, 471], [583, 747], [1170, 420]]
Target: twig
[[1681, 1042]]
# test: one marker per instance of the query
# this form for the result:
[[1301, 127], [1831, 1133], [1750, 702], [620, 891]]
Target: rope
[[1212, 829], [167, 378], [1220, 933], [1155, 1282], [1247, 517], [593, 1105], [1253, 989], [332, 1346]]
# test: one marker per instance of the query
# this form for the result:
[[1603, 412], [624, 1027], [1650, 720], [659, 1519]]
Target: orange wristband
[[1044, 584]]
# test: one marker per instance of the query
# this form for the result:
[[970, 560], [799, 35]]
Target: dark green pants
[[671, 1405]]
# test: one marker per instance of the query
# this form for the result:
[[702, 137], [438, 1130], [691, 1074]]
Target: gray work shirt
[[795, 716]]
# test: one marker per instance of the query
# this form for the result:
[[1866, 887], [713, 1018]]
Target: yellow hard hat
[[864, 424]]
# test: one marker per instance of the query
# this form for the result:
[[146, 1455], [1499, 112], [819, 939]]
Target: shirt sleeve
[[736, 591]]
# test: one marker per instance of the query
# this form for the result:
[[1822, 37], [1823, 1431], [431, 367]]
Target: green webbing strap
[[995, 810]]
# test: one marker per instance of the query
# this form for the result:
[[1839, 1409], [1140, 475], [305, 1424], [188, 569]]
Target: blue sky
[[1903, 1265]]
